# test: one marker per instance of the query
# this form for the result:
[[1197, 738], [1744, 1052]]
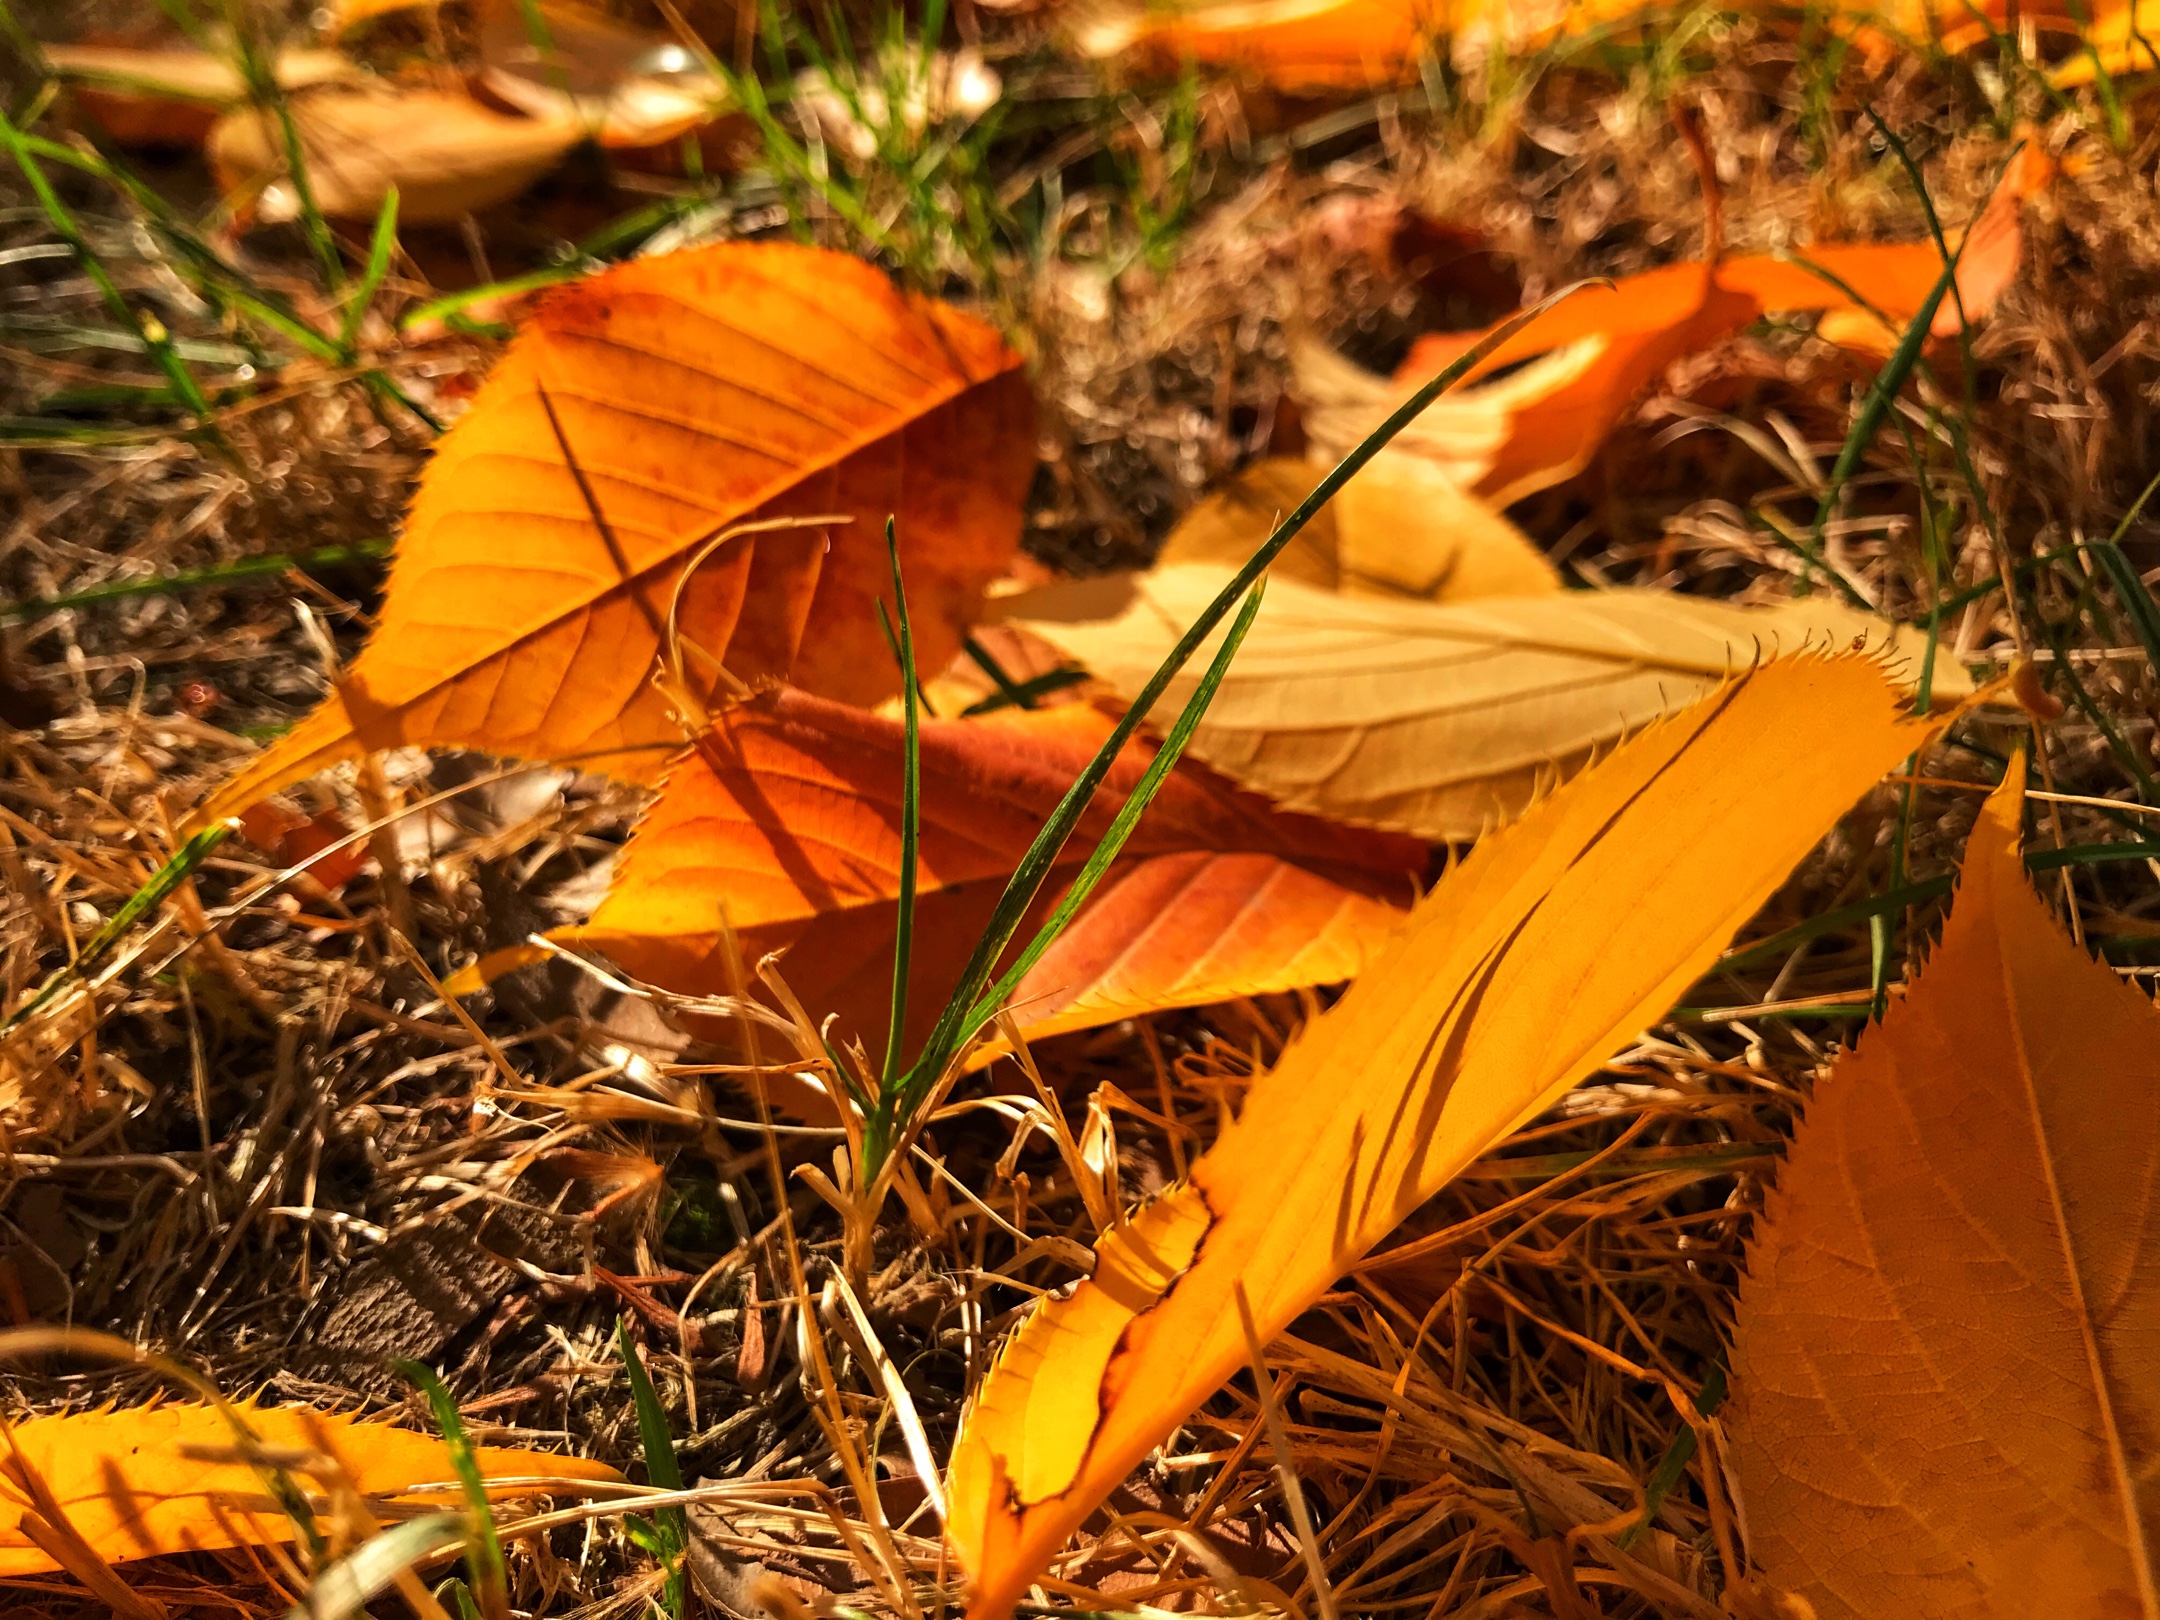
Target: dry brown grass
[[262, 1141]]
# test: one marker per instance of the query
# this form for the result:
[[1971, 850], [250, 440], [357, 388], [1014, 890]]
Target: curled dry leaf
[[1946, 1356], [628, 86], [676, 398], [1583, 364], [788, 812], [130, 1491], [447, 155], [172, 96], [1400, 528], [1501, 991], [1438, 719]]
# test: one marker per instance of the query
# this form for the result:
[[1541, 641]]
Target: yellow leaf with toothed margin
[[1552, 944], [1946, 1355], [130, 1490]]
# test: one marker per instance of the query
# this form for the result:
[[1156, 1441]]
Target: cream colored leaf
[[447, 155], [1436, 719], [1946, 1360], [1503, 989], [172, 96]]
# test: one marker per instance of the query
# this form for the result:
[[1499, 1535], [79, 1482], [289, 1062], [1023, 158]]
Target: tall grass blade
[[347, 1587], [910, 809], [1127, 818], [232, 573], [483, 1552], [138, 905], [2129, 584], [380, 247], [661, 1469], [148, 329], [1889, 383], [947, 1037]]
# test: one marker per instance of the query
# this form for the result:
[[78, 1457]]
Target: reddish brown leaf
[[789, 813]]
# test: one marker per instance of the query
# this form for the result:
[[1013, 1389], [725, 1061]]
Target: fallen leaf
[[171, 96], [1296, 44], [1336, 46], [291, 838], [1191, 929], [1582, 365], [1437, 719], [1946, 1397], [1502, 990], [447, 155], [2120, 37], [788, 812], [1319, 46], [695, 391], [629, 87], [346, 15], [1400, 528], [129, 1491]]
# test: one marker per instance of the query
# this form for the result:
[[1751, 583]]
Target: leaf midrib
[[2118, 1459]]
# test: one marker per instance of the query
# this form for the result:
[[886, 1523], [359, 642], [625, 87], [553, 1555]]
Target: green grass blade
[[380, 247], [2048, 860], [1831, 922], [1889, 382], [1024, 693], [910, 811], [1034, 866], [483, 1552], [661, 1469], [1677, 1456], [233, 573], [2130, 588], [1008, 688], [149, 330], [455, 303], [1127, 818], [137, 906], [344, 1590]]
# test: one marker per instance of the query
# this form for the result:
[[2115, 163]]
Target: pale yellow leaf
[[1436, 719], [1548, 947], [447, 155], [1400, 528]]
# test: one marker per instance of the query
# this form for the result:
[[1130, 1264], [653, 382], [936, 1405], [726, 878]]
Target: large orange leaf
[[1582, 365], [788, 813], [1503, 990], [693, 391], [1320, 46], [1946, 1359], [1307, 46], [129, 1491]]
